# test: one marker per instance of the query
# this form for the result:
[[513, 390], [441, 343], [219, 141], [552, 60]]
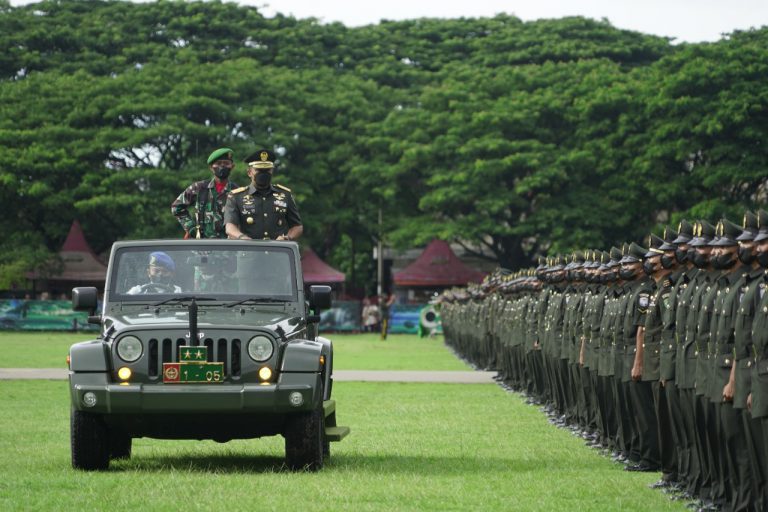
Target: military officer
[[644, 447], [659, 264], [208, 198], [262, 210]]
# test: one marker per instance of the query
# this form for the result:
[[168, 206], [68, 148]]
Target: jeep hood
[[207, 318]]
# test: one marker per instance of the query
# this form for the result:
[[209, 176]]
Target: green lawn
[[351, 351], [412, 447]]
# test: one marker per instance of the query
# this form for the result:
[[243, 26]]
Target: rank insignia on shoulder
[[283, 187], [239, 190]]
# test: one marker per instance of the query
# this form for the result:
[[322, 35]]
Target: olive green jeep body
[[224, 346]]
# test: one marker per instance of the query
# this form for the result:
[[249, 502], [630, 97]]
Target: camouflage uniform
[[208, 221]]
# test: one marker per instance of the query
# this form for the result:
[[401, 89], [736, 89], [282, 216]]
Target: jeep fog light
[[124, 373], [265, 373], [260, 348], [129, 349], [296, 399], [89, 399]]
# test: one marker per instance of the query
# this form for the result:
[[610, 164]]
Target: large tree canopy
[[514, 139]]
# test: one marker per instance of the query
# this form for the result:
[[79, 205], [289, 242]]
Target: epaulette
[[238, 190], [282, 187]]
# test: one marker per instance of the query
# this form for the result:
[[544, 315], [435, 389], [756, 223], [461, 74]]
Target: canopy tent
[[316, 271], [437, 266]]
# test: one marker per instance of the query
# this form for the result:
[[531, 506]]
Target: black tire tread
[[89, 441]]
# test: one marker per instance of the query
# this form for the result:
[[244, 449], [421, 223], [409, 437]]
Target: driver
[[160, 271]]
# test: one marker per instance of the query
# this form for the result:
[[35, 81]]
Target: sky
[[690, 21], [685, 20]]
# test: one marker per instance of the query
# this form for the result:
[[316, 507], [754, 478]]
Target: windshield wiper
[[180, 299], [255, 300]]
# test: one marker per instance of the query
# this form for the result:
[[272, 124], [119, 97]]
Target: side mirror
[[85, 299], [319, 297]]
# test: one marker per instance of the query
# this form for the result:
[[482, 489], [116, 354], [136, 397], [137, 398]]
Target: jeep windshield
[[235, 273]]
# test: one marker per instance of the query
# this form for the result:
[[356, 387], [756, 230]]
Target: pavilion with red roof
[[437, 267], [316, 271], [81, 266]]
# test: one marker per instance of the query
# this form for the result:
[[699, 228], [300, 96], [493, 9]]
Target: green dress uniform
[[262, 213]]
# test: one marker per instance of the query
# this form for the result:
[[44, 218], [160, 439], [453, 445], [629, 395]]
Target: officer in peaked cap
[[262, 210], [658, 265], [639, 289], [758, 397]]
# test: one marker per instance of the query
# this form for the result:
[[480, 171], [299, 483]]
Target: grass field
[[412, 447]]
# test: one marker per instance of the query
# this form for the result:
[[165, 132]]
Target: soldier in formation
[[656, 354]]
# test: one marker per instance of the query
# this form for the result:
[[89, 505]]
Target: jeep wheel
[[119, 445], [90, 441], [304, 440]]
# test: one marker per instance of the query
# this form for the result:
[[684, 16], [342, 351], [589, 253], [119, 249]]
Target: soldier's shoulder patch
[[282, 187], [642, 300], [239, 190]]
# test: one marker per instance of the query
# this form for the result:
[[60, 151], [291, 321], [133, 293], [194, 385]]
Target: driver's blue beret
[[161, 259]]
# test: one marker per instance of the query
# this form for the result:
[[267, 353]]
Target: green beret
[[220, 153]]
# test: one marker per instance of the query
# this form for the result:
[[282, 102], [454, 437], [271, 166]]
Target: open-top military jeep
[[204, 339]]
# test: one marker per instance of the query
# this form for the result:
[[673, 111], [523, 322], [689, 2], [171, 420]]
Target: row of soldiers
[[659, 354]]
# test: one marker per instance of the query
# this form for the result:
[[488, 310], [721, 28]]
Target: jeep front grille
[[220, 350]]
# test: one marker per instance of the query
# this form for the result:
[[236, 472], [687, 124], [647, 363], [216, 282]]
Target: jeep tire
[[305, 440], [89, 440]]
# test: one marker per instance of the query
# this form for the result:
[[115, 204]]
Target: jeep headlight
[[129, 348], [260, 348]]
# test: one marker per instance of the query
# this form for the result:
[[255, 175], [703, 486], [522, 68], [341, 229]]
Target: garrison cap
[[669, 240], [615, 257], [261, 159], [556, 263], [161, 259], [762, 225], [749, 224], [728, 233], [593, 259], [577, 261], [219, 154], [605, 258], [634, 254], [684, 232], [703, 233], [654, 243]]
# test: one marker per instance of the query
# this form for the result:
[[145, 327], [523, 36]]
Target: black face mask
[[762, 259], [556, 277], [668, 262], [746, 255], [610, 277], [681, 256], [627, 274], [699, 259], [649, 267], [263, 179], [724, 261], [222, 172]]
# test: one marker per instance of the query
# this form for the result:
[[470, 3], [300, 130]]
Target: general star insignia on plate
[[193, 368]]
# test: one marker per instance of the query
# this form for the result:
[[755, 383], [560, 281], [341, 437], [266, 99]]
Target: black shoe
[[641, 467], [661, 484]]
